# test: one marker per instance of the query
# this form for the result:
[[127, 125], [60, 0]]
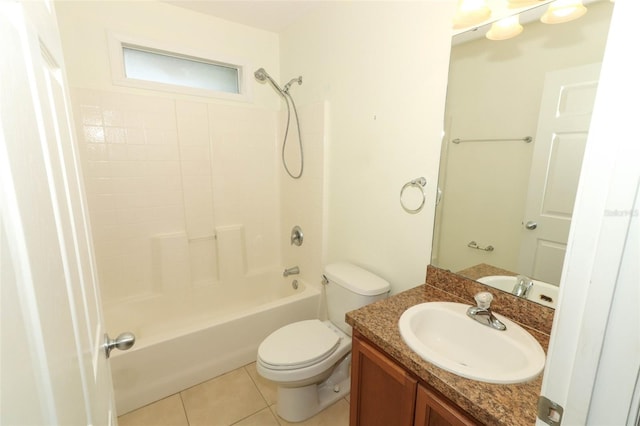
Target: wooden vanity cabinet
[[385, 394], [434, 410], [382, 393]]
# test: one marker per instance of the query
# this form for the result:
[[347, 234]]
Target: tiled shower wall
[[164, 178]]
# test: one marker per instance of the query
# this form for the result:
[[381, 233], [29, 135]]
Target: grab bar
[[474, 245], [202, 238], [526, 139]]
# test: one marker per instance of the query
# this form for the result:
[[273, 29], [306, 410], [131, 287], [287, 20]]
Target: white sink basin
[[442, 334], [541, 292]]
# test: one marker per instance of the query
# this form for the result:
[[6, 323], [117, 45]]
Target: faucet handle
[[483, 299]]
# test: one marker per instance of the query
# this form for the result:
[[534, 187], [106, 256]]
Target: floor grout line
[[255, 380], [275, 415], [184, 408], [268, 406], [255, 384]]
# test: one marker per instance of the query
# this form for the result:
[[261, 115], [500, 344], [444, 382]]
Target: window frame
[[117, 43]]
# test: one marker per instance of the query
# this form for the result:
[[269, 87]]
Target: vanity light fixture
[[521, 3], [563, 11], [470, 12], [505, 28]]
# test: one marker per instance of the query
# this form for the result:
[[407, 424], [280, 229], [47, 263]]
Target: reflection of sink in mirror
[[442, 334], [541, 292]]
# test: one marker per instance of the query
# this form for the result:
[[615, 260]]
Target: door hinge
[[549, 411]]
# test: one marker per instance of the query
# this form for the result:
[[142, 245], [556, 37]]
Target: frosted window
[[180, 71]]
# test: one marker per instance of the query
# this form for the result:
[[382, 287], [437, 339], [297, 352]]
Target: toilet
[[310, 360]]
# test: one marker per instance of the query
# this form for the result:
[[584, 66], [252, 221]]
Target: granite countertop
[[491, 404]]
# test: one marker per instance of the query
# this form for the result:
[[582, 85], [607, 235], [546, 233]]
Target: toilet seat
[[298, 345]]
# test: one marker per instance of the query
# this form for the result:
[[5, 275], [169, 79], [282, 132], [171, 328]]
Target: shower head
[[262, 76]]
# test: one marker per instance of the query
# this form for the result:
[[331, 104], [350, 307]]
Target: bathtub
[[186, 339]]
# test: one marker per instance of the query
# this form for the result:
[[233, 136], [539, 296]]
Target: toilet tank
[[351, 287]]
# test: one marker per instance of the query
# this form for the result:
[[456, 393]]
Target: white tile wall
[[155, 166], [195, 163], [245, 182]]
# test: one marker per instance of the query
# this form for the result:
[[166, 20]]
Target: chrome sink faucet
[[482, 313], [523, 286], [291, 271]]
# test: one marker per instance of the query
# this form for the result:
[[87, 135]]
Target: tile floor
[[240, 398]]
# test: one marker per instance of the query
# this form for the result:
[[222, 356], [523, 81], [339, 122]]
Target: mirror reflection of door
[[494, 94], [563, 126]]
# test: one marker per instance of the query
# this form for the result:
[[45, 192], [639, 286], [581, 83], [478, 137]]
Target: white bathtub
[[183, 340]]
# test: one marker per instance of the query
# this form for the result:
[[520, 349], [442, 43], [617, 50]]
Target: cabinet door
[[433, 410], [382, 393]]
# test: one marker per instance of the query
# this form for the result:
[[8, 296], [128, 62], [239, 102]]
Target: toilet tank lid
[[356, 279]]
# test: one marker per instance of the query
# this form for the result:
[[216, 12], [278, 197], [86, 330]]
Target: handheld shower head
[[262, 76]]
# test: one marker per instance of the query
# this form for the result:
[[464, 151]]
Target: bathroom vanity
[[392, 385], [383, 392]]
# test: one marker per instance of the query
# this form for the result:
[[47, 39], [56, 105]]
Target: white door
[[53, 370], [593, 361], [563, 126]]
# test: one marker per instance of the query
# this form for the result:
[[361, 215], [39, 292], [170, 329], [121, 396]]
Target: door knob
[[531, 225], [123, 342]]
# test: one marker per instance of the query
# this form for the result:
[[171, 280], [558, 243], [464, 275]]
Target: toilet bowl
[[310, 360]]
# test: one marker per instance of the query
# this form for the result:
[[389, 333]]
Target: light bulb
[[520, 3], [470, 12], [563, 11], [505, 28]]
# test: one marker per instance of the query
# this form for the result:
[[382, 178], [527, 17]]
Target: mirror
[[505, 202]]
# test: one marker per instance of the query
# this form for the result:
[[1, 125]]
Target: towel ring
[[417, 183]]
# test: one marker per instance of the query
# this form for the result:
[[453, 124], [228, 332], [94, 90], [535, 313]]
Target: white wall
[[495, 88], [302, 199], [84, 26], [373, 70], [166, 172], [381, 68]]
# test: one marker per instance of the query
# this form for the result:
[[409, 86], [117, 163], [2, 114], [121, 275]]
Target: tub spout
[[291, 271]]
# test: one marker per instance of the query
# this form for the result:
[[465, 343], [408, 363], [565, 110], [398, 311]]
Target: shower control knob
[[123, 342], [297, 236], [531, 225]]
